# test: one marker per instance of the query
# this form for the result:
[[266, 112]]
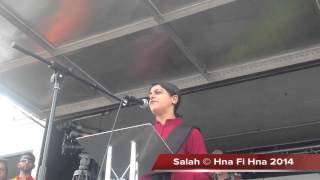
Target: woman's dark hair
[[5, 163], [172, 90]]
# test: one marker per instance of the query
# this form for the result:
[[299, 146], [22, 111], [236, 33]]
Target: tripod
[[83, 173]]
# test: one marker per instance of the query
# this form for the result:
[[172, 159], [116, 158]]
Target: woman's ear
[[175, 99]]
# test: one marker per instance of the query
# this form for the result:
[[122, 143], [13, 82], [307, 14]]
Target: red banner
[[237, 162]]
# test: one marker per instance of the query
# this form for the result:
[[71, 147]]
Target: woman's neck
[[164, 117]]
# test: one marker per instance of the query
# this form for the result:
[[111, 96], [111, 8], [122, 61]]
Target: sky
[[17, 132]]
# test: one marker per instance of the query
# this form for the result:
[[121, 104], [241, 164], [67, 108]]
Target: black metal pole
[[56, 78]]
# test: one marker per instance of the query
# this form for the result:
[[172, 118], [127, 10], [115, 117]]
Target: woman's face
[[3, 172], [160, 100]]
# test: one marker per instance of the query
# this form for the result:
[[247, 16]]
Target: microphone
[[131, 100]]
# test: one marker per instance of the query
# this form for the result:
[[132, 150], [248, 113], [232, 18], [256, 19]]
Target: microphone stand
[[59, 71]]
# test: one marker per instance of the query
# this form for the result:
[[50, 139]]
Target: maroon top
[[194, 144]]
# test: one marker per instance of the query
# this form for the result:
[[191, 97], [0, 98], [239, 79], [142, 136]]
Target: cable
[[109, 140]]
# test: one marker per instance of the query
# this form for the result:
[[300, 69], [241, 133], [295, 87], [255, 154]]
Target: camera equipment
[[87, 168]]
